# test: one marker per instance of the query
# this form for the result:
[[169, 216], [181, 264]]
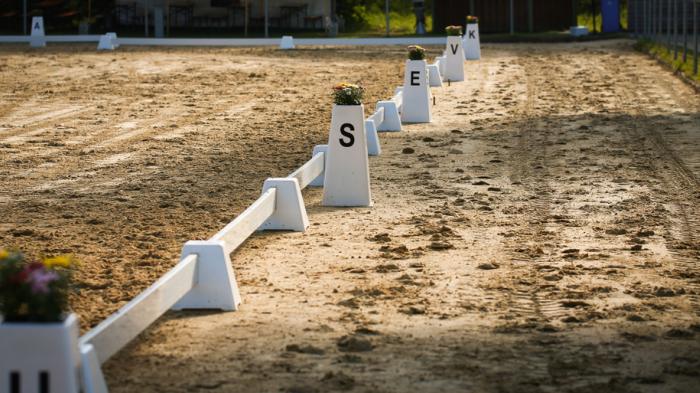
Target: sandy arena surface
[[541, 235]]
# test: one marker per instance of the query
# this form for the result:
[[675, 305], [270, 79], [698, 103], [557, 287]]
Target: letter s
[[350, 137]]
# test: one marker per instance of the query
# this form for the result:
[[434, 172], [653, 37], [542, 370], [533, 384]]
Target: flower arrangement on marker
[[33, 291], [453, 30], [348, 94], [471, 19], [416, 52]]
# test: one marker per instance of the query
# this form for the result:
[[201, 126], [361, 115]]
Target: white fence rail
[[377, 117], [310, 170], [196, 281], [117, 330], [236, 41], [238, 230]]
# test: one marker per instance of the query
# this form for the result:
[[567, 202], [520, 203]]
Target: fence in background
[[672, 23]]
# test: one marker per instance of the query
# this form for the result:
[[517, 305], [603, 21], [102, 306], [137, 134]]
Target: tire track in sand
[[680, 183]]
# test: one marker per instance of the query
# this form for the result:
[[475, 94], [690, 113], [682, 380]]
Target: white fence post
[[318, 182], [434, 77], [93, 380], [287, 42], [290, 212], [216, 286], [373, 146], [106, 43]]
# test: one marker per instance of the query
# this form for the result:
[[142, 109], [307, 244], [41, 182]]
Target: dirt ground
[[541, 235]]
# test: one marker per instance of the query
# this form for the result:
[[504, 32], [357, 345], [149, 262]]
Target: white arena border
[[236, 41], [204, 278], [187, 277]]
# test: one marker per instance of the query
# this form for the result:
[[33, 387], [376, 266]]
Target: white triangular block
[[392, 117], [287, 42], [114, 38], [441, 61], [106, 43], [471, 43], [318, 182], [290, 212], [373, 146], [434, 76], [37, 38], [346, 180], [416, 93], [454, 67], [216, 286]]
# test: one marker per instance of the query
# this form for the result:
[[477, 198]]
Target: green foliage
[[367, 16], [585, 15], [665, 54], [348, 94], [453, 30], [416, 52]]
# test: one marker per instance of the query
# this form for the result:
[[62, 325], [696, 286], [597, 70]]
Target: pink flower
[[40, 280]]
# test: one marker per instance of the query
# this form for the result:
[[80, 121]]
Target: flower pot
[[471, 43], [454, 66], [40, 357], [416, 93], [346, 178]]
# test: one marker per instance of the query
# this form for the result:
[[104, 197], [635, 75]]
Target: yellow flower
[[23, 309], [4, 254], [60, 261]]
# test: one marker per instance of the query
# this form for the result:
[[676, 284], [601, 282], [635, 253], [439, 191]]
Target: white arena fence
[[204, 277], [234, 41]]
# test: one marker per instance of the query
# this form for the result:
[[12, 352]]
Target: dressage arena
[[542, 234]]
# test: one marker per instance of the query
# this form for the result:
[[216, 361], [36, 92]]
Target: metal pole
[[267, 16], [145, 17], [386, 15], [669, 18], [652, 19], [24, 17], [512, 18], [637, 21], [646, 18], [637, 29], [695, 37], [167, 18], [685, 30], [659, 20], [675, 29]]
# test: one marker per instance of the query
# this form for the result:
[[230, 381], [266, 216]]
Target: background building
[[495, 15]]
